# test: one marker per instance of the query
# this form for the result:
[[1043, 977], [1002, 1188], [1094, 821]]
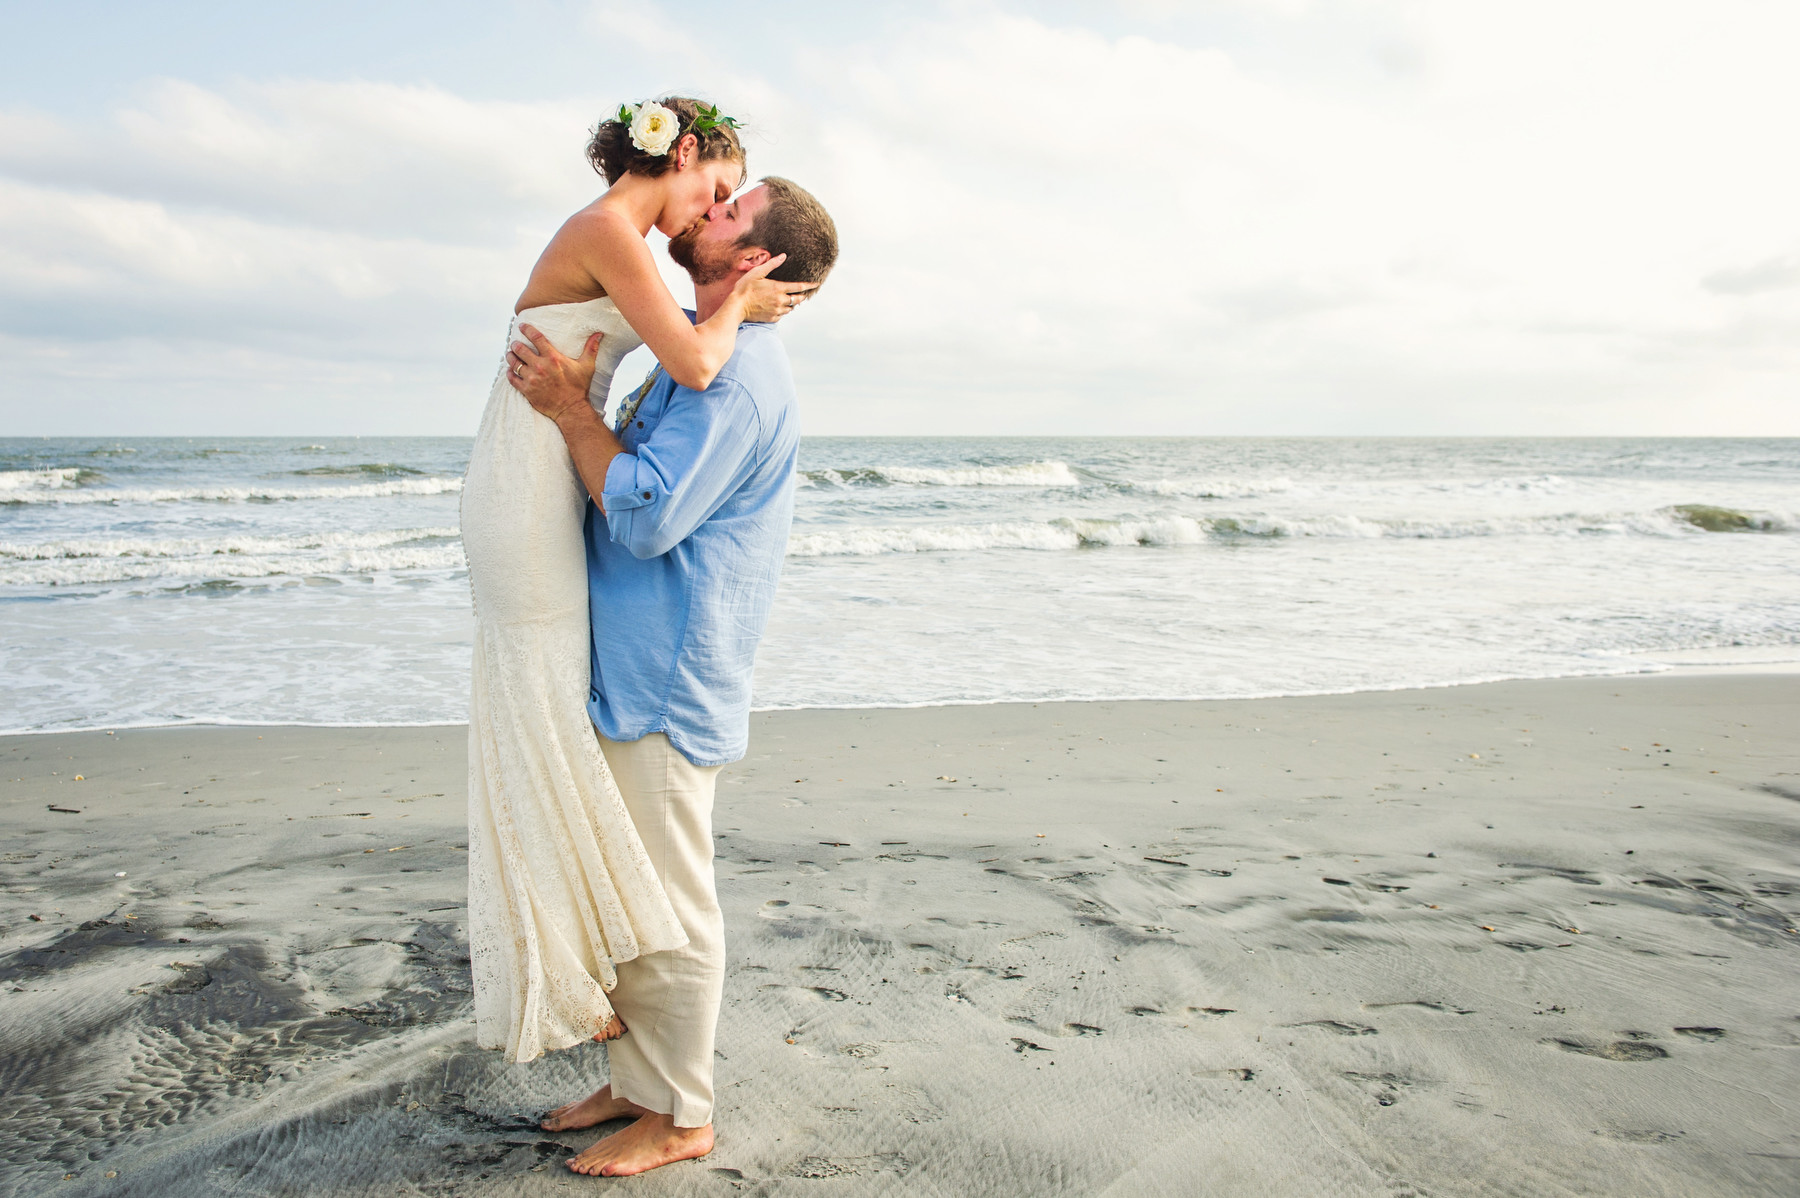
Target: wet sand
[[1521, 938]]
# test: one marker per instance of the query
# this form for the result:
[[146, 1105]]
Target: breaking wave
[[1708, 518], [16, 484], [363, 470], [104, 560], [1068, 533], [47, 493], [1030, 474]]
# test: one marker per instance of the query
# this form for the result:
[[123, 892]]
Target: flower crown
[[655, 127]]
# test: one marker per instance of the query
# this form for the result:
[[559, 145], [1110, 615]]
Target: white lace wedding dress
[[560, 887]]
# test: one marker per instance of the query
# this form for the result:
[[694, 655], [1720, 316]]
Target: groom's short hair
[[795, 224]]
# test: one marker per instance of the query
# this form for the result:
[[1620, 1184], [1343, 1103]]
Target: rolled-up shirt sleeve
[[704, 446]]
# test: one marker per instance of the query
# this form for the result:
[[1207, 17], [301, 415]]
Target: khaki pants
[[670, 1000]]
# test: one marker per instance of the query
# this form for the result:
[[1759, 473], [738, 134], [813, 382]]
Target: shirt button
[[646, 494], [640, 424]]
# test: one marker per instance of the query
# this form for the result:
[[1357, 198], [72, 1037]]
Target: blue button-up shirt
[[682, 564]]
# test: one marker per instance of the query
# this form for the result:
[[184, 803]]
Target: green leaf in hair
[[707, 118]]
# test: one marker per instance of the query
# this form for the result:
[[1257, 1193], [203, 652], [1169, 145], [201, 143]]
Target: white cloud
[[360, 156], [1515, 240], [1530, 218], [310, 240]]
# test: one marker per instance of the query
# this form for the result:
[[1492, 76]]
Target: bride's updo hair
[[614, 156]]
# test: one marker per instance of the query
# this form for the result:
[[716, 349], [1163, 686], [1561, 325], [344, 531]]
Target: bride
[[560, 886]]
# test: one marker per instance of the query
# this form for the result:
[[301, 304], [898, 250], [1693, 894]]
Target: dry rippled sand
[[1524, 938]]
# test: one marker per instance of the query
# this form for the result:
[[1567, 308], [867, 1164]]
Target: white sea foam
[[80, 573], [1068, 533], [1213, 488], [401, 486], [13, 483], [927, 538], [1028, 474], [152, 547], [1539, 484], [1169, 530], [1060, 534], [92, 561], [100, 560]]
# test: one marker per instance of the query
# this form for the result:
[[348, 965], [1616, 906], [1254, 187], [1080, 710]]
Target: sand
[[1520, 938]]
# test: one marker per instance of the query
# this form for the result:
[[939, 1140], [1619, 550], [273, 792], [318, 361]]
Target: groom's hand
[[549, 379]]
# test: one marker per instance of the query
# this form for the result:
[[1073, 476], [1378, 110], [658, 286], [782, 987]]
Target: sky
[[1214, 217]]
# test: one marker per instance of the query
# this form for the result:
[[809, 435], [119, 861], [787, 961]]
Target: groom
[[694, 496]]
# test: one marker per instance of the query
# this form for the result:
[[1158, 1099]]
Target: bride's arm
[[697, 455], [693, 354]]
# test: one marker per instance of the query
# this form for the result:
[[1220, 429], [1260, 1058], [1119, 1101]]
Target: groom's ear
[[752, 257]]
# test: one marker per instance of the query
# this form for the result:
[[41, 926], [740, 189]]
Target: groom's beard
[[702, 265]]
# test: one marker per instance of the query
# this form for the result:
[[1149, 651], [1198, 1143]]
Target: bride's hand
[[767, 299]]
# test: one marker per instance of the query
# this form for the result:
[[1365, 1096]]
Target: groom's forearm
[[592, 446]]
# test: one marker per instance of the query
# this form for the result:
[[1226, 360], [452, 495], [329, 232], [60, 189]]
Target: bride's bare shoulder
[[569, 269], [597, 224]]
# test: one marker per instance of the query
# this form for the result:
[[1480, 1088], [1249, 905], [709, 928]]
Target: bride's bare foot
[[652, 1141], [597, 1107], [615, 1027]]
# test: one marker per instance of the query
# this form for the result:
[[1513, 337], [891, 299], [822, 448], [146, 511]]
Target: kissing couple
[[622, 578]]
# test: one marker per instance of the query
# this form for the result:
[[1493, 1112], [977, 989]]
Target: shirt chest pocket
[[639, 413], [649, 413]]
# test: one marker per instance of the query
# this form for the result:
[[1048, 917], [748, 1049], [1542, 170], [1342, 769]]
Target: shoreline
[[1520, 935], [1677, 669]]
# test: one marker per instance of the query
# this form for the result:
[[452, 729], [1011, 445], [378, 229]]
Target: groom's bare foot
[[615, 1027], [652, 1141], [596, 1108]]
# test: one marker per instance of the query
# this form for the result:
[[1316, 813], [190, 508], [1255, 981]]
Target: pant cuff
[[657, 1097]]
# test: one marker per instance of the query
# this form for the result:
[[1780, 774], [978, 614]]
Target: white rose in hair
[[654, 127]]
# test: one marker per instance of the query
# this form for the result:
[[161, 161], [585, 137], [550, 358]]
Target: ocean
[[270, 580]]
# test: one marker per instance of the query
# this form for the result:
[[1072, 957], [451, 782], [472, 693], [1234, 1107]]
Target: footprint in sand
[[1338, 1026], [1617, 1050], [816, 1167], [194, 977], [781, 909], [813, 993], [1708, 1034], [1386, 1087], [1579, 876]]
